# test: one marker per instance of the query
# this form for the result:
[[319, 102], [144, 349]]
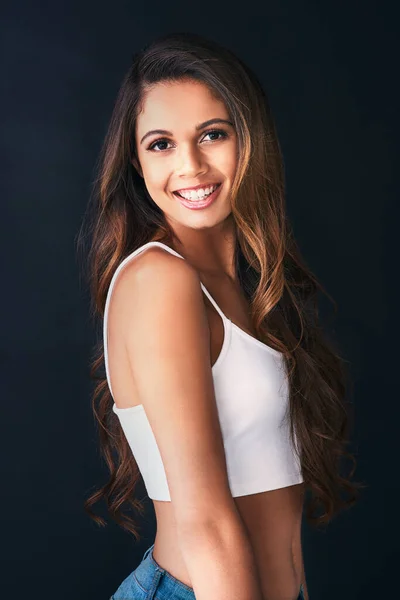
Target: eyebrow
[[198, 127]]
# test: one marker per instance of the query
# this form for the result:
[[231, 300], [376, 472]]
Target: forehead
[[177, 105]]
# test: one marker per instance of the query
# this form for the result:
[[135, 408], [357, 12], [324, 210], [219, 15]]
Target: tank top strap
[[215, 305]]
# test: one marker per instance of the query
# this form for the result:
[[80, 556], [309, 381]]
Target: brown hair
[[281, 290]]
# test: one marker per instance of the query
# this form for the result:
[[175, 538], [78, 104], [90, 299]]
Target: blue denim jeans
[[149, 581]]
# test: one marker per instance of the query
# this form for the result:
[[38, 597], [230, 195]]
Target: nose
[[189, 162]]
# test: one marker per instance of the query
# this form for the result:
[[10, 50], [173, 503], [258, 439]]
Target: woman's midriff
[[273, 523]]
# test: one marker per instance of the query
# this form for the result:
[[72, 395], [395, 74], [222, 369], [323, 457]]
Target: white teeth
[[198, 194]]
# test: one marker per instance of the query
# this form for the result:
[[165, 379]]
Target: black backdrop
[[330, 72]]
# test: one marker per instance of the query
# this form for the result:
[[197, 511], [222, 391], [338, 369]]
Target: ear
[[135, 163]]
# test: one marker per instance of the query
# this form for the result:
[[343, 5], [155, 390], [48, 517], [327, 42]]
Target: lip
[[197, 187], [199, 204]]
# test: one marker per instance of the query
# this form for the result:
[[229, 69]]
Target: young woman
[[220, 392]]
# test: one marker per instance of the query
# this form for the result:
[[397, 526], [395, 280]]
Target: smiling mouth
[[216, 185]]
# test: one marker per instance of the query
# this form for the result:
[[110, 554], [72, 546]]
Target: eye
[[154, 145], [218, 132]]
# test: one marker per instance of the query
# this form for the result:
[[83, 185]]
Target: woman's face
[[189, 153]]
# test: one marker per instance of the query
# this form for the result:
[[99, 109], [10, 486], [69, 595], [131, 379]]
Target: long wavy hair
[[281, 290]]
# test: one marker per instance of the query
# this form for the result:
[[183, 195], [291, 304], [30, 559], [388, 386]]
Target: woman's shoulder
[[150, 264], [149, 277]]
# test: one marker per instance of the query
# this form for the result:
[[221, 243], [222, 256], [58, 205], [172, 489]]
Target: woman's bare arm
[[161, 317], [220, 561]]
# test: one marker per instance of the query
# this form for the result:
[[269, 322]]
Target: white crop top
[[251, 392]]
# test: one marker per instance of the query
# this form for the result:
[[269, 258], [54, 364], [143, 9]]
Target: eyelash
[[153, 144]]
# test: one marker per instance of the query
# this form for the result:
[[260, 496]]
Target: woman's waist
[[278, 576]]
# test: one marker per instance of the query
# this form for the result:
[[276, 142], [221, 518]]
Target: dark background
[[330, 70]]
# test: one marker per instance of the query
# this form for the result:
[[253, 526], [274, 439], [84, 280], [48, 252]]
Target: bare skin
[[191, 157]]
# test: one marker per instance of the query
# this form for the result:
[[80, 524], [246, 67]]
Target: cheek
[[228, 161], [155, 176]]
